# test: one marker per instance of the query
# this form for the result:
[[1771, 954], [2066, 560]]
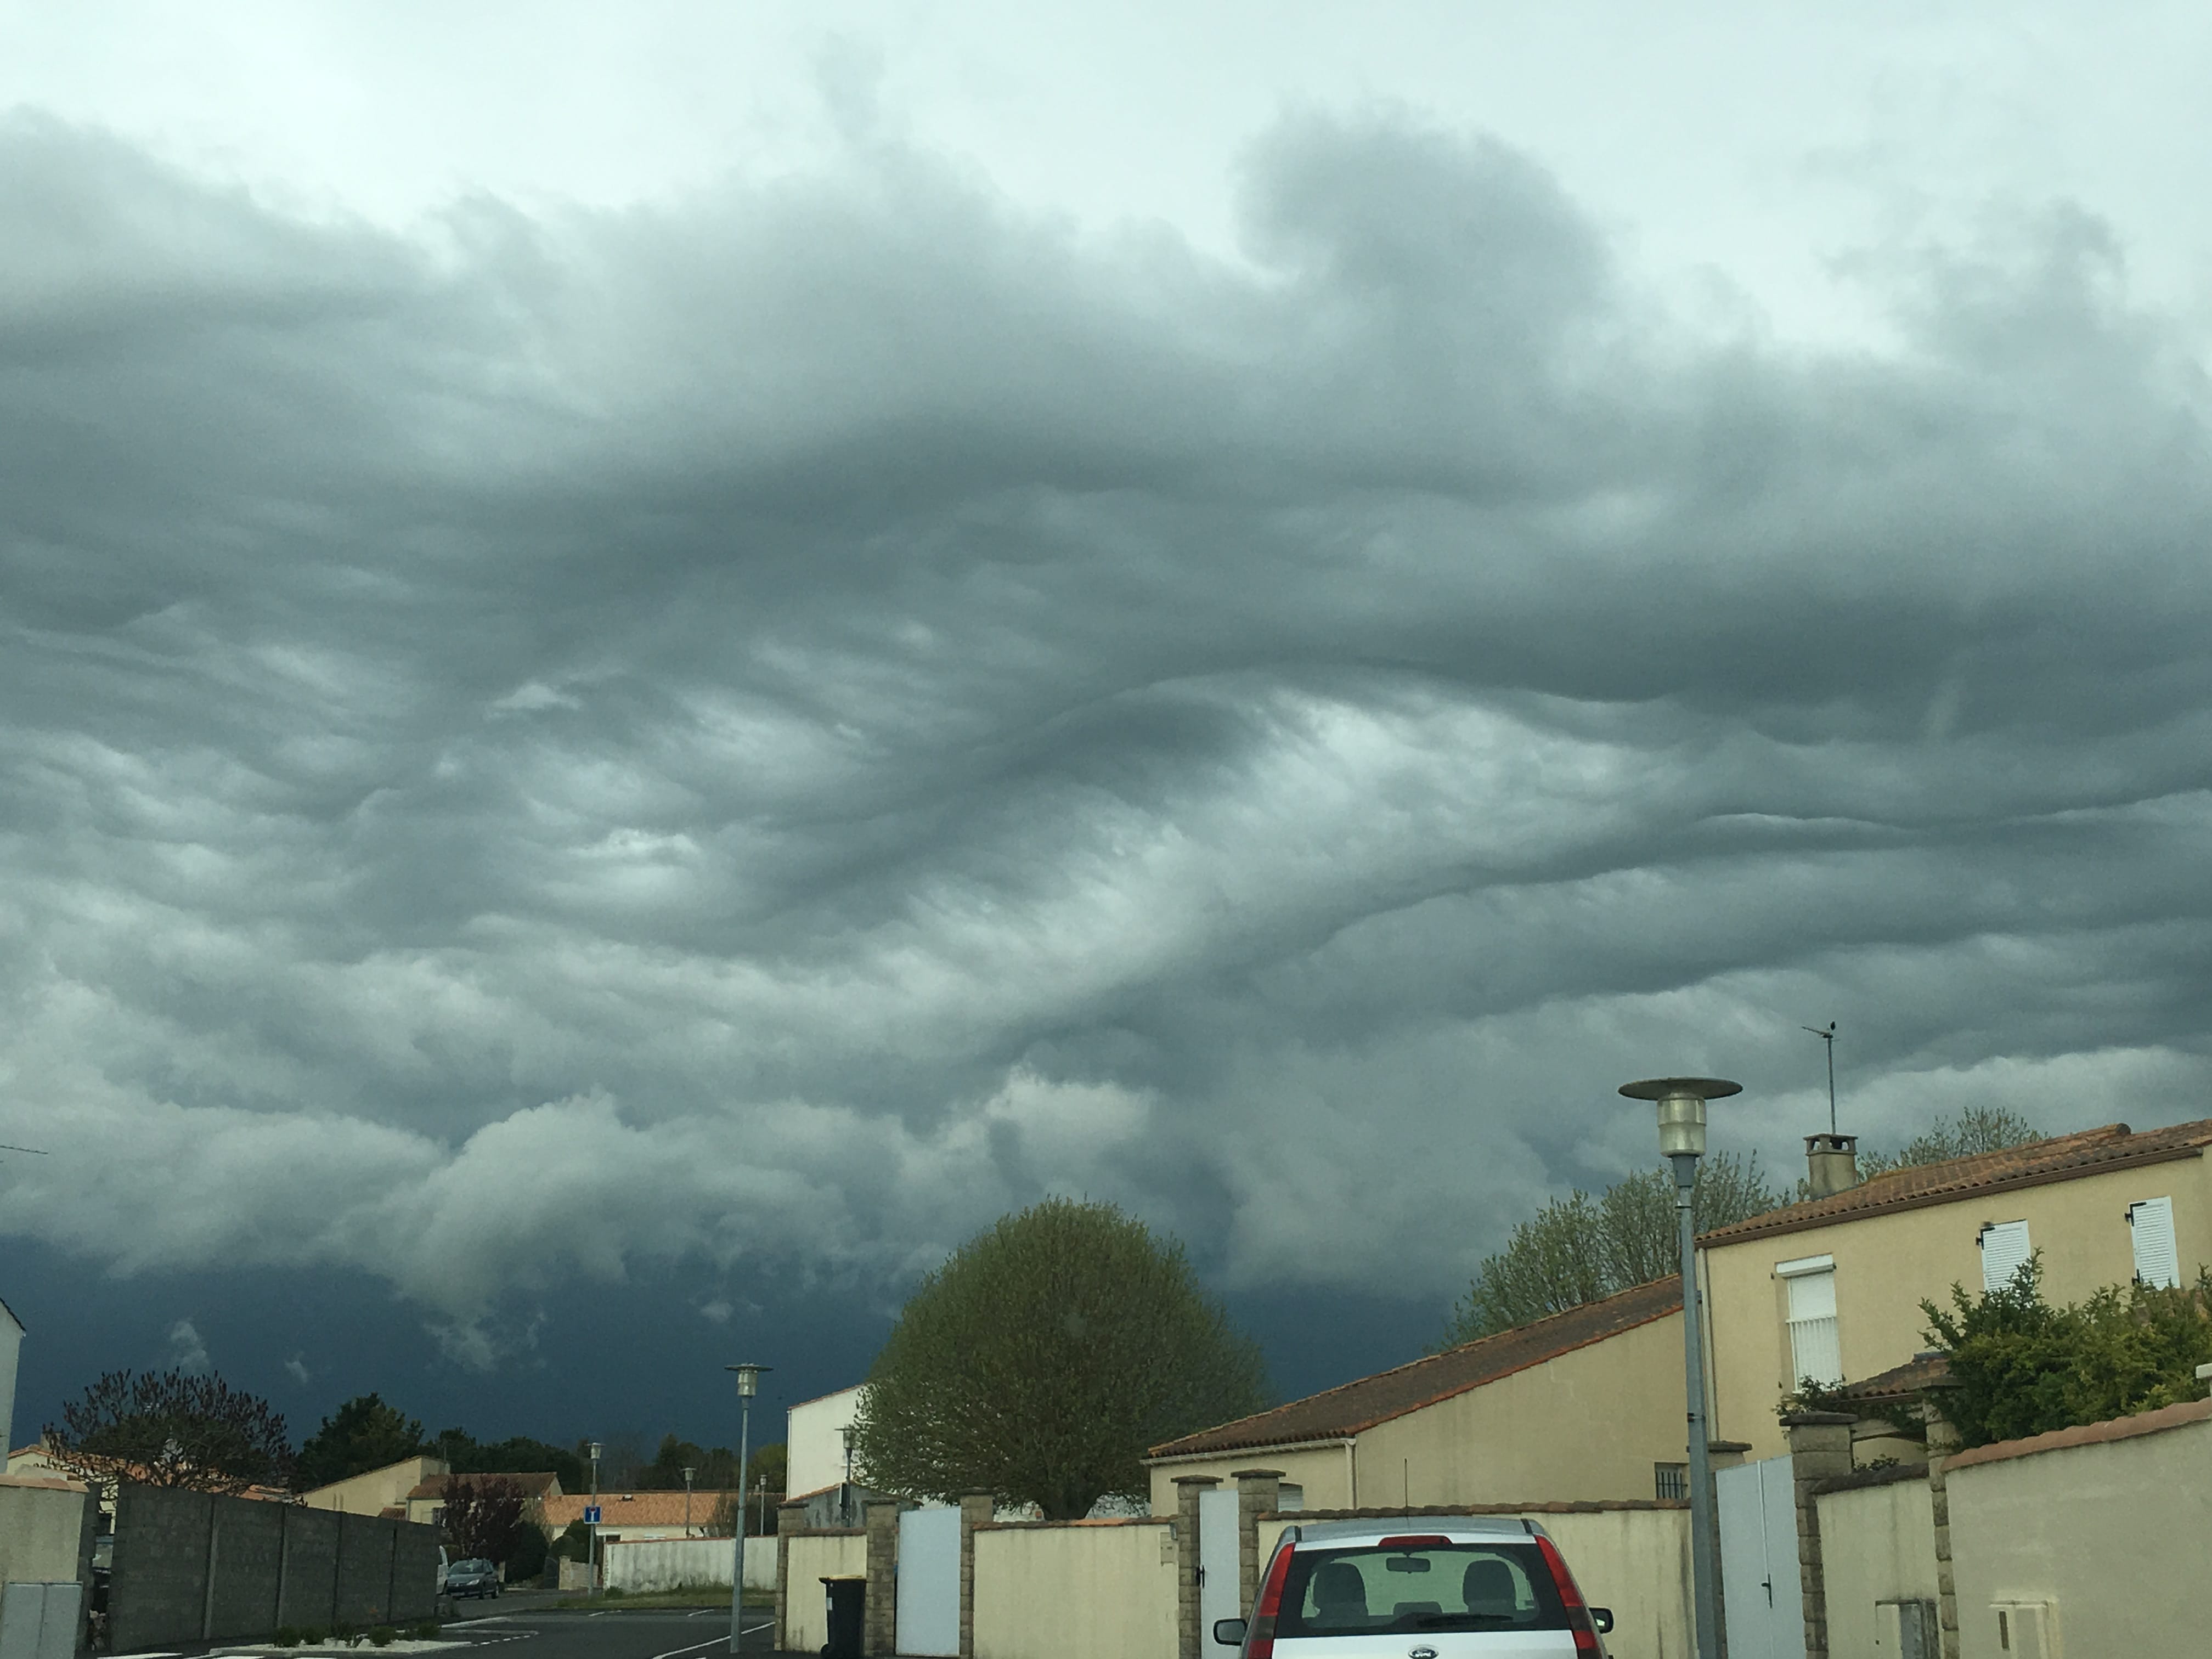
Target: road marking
[[694, 1647]]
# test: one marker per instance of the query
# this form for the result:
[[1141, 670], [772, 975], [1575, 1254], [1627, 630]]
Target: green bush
[[381, 1636], [345, 1631], [2019, 1366], [288, 1635], [614, 1595], [313, 1636], [425, 1632]]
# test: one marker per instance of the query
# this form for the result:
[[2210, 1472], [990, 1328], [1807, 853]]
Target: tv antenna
[[1828, 1036], [35, 1152]]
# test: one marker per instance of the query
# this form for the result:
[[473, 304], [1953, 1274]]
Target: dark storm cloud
[[770, 729]]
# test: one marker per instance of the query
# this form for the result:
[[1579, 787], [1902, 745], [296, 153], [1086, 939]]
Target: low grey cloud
[[187, 1351], [767, 729]]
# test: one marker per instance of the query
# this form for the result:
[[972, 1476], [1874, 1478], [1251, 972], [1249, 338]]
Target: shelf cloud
[[771, 727]]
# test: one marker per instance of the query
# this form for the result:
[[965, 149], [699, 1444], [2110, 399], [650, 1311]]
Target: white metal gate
[[1218, 1593], [1759, 1585], [929, 1582]]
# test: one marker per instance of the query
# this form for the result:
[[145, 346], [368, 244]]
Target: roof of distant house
[[637, 1509], [535, 1485], [1352, 1407], [10, 1312], [2038, 1163]]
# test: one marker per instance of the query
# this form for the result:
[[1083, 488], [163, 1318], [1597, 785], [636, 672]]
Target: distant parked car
[[472, 1577], [1425, 1588]]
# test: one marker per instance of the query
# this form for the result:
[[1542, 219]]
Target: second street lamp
[[749, 1378], [1682, 1142]]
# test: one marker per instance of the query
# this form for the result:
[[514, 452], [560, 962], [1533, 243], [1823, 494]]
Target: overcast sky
[[656, 658]]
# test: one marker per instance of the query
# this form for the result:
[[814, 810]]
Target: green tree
[[168, 1428], [361, 1434], [1975, 1129], [1043, 1357], [1580, 1248], [2020, 1366]]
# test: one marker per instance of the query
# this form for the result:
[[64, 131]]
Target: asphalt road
[[610, 1635]]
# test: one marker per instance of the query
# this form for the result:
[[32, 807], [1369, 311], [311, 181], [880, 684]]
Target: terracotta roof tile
[[636, 1509], [2063, 1157], [1354, 1406], [1921, 1371]]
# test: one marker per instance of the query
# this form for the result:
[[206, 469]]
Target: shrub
[[2019, 1366], [381, 1636], [288, 1635], [312, 1636], [425, 1632]]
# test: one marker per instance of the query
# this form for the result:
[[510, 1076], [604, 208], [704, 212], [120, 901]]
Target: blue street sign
[[590, 1514]]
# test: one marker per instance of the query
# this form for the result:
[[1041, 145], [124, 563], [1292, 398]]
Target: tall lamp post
[[592, 1549], [689, 1471], [749, 1378], [1682, 1142]]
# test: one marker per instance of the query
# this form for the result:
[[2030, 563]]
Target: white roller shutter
[[2158, 1259], [2004, 1249], [1815, 1350]]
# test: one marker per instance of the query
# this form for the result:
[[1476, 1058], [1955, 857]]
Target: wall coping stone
[[1858, 1480], [2086, 1434]]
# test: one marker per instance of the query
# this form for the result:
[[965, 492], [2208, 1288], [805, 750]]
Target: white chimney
[[1831, 1163]]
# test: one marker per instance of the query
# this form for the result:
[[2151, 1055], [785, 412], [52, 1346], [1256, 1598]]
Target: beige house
[[426, 1500], [1584, 1406], [1831, 1288], [377, 1490]]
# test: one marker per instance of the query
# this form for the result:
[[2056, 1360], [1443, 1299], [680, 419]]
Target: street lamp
[[689, 1471], [845, 1491], [1682, 1142], [592, 1549], [749, 1378]]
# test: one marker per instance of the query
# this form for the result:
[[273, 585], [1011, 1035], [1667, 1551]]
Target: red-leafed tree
[[484, 1517]]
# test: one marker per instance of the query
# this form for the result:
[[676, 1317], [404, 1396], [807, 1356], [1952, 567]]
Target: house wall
[[1324, 1473], [1081, 1590], [1635, 1561], [1886, 1264], [11, 1349], [813, 1442], [2113, 1533], [372, 1493], [1877, 1544], [814, 1557], [41, 1522], [1585, 1427]]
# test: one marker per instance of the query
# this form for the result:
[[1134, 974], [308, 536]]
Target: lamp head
[[1682, 1103], [594, 1452], [689, 1471], [749, 1378]]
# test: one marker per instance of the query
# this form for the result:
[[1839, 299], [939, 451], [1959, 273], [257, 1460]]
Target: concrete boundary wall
[[191, 1566], [43, 1528], [1877, 1547], [1075, 1589], [642, 1565], [810, 1557]]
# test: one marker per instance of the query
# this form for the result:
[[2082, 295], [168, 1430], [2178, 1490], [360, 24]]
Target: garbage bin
[[847, 1611]]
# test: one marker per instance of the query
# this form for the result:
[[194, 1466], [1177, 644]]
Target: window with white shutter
[[2158, 1259], [1815, 1350], [2004, 1251]]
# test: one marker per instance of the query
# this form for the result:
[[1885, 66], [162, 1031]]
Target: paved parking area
[[612, 1634]]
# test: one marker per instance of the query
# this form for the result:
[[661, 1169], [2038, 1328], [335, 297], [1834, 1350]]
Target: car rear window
[[1430, 1586]]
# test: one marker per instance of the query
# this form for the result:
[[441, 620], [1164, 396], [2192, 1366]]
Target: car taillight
[[1571, 1596], [1260, 1640]]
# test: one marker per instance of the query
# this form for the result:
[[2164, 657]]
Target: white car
[[1453, 1587]]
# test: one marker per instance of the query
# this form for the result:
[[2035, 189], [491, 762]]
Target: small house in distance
[[1585, 1406]]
